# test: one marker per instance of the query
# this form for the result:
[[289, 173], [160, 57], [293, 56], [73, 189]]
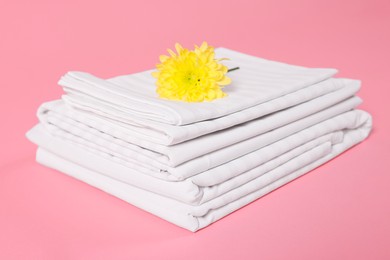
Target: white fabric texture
[[194, 163], [257, 81], [166, 134], [257, 182], [149, 162], [166, 157], [219, 180]]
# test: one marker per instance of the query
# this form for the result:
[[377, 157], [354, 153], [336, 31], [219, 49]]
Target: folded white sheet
[[107, 134], [210, 184], [152, 163], [349, 129], [194, 163], [133, 96], [166, 134]]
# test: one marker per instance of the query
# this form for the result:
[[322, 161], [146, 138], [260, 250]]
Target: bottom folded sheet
[[195, 217]]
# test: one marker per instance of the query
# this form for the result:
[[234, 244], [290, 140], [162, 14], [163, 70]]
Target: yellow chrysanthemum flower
[[191, 76]]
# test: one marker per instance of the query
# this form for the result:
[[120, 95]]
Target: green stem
[[236, 68]]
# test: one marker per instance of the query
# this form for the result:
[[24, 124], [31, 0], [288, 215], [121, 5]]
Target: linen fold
[[194, 163], [195, 217]]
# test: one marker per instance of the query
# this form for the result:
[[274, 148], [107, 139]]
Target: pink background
[[339, 211]]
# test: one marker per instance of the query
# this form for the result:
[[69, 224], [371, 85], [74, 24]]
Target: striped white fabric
[[209, 203], [90, 126], [214, 150], [194, 163], [212, 183], [257, 81]]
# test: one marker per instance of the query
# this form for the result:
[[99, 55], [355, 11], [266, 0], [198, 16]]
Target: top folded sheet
[[257, 81]]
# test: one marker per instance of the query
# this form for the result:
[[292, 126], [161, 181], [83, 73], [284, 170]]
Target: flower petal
[[191, 76]]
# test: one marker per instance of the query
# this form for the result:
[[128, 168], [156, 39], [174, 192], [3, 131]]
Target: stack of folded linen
[[194, 163]]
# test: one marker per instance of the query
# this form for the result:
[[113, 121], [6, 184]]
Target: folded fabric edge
[[188, 222], [130, 194], [351, 139]]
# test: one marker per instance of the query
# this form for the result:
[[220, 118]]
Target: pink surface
[[339, 211]]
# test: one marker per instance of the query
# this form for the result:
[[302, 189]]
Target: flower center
[[192, 79]]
